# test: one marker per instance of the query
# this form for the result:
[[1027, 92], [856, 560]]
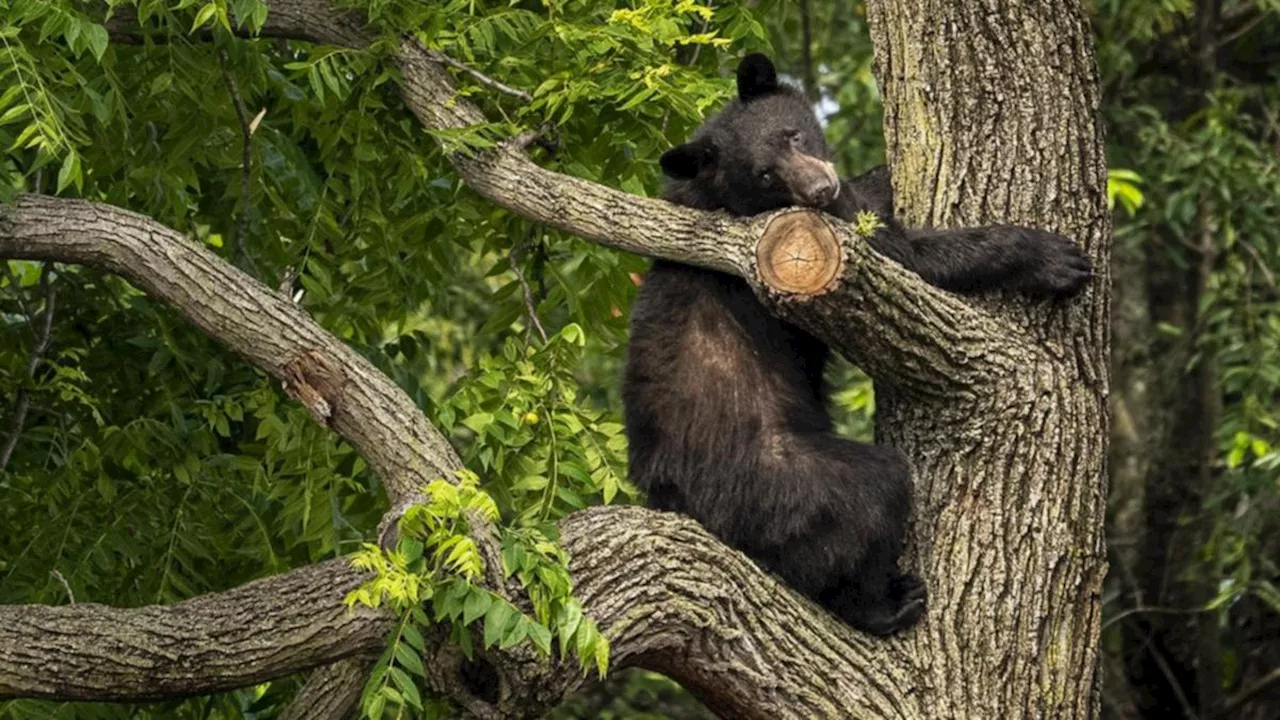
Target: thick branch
[[672, 599], [667, 595], [331, 691], [263, 630], [340, 387]]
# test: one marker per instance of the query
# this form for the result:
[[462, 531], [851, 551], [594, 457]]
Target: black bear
[[725, 406]]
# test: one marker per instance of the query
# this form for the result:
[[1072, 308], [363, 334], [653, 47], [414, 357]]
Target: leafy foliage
[[1200, 129], [437, 560], [1211, 195]]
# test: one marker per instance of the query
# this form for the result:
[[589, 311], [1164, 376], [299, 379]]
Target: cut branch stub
[[799, 254]]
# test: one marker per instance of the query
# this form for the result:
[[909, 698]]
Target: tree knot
[[315, 380]]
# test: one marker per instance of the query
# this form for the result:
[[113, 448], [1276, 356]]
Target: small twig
[[1243, 30], [1235, 702], [14, 282], [539, 270], [1188, 711], [247, 127], [22, 402], [287, 277], [529, 137], [479, 77], [65, 585], [706, 23], [1262, 266], [524, 139], [1274, 124], [1153, 611], [529, 305]]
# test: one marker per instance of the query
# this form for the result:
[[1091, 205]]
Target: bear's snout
[[821, 193], [813, 181]]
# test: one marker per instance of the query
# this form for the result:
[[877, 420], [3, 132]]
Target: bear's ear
[[686, 162], [756, 77]]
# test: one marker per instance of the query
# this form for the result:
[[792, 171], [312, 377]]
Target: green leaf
[[330, 79], [413, 637], [477, 604], [69, 172], [409, 660], [515, 632], [407, 686], [495, 621], [465, 641], [571, 617], [97, 37], [602, 656], [14, 113], [206, 13], [479, 422], [541, 637], [72, 33], [411, 548]]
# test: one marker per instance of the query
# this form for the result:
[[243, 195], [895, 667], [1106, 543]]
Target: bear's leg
[[1035, 262], [867, 490]]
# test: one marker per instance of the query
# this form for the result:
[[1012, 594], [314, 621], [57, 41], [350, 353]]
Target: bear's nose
[[820, 191]]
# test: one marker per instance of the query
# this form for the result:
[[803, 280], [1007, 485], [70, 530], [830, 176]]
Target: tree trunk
[[992, 116]]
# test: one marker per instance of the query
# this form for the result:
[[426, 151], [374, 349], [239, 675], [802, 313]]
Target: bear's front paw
[[1058, 267]]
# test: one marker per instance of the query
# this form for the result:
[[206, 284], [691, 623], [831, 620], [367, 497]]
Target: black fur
[[725, 405]]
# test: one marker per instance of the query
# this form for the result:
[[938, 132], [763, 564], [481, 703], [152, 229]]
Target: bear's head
[[764, 151]]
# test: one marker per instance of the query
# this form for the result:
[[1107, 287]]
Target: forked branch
[[668, 596]]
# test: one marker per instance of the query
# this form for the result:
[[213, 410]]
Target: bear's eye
[[796, 137], [766, 176]]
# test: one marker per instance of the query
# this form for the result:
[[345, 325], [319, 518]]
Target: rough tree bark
[[991, 114], [1001, 408]]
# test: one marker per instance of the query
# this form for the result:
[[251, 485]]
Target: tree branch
[[339, 387], [479, 76], [1237, 701], [331, 691], [256, 632], [667, 594], [908, 333], [239, 252]]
